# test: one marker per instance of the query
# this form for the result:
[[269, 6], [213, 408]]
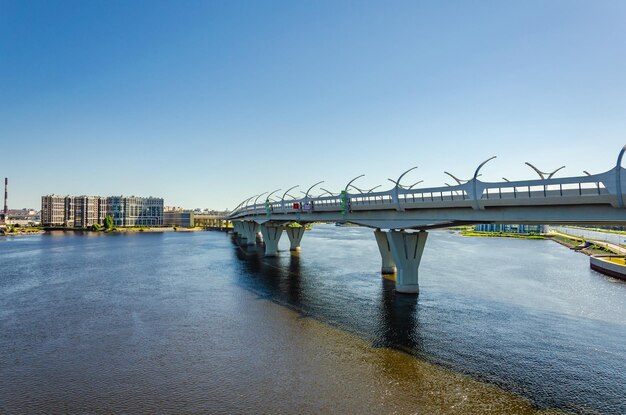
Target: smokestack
[[6, 198]]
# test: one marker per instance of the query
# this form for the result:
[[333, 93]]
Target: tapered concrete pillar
[[250, 231], [407, 249], [295, 237], [388, 265], [271, 236]]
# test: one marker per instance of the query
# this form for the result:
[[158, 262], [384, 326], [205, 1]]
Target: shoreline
[[572, 242], [161, 229]]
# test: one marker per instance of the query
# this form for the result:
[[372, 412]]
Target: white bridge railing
[[603, 188]]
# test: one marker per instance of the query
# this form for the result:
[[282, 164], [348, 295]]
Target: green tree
[[108, 222]]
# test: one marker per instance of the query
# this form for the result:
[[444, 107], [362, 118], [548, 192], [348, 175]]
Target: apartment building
[[135, 211], [89, 210], [85, 211], [57, 210]]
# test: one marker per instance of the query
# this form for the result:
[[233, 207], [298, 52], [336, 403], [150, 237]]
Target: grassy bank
[[572, 242], [12, 230]]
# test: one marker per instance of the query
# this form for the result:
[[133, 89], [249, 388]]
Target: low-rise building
[[182, 218]]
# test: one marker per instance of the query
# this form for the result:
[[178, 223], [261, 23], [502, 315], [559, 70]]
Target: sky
[[206, 103]]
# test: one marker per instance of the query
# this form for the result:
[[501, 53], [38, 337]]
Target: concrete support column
[[241, 232], [271, 236], [388, 266], [250, 231], [407, 249], [295, 237]]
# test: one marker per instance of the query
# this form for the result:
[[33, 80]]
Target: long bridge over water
[[402, 215]]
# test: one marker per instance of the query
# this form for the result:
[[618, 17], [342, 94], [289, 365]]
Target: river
[[193, 323]]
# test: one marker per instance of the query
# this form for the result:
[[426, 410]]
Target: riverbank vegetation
[[16, 229], [580, 244]]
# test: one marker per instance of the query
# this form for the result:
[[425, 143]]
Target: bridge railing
[[599, 188]]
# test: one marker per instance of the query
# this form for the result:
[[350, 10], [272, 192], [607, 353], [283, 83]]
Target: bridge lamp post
[[306, 194], [344, 196], [415, 184], [247, 200], [398, 186], [459, 181], [456, 179], [268, 210], [282, 200], [237, 207], [406, 187], [475, 180], [364, 191], [257, 198], [543, 175]]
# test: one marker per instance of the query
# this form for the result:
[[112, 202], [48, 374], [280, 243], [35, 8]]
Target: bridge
[[402, 215]]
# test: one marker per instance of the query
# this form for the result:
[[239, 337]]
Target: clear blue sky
[[205, 103]]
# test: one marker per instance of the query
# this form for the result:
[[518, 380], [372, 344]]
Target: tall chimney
[[6, 198]]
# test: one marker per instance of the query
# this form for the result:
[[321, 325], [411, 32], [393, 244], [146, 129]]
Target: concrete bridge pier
[[407, 249], [239, 230], [271, 236], [388, 264], [250, 231], [295, 237]]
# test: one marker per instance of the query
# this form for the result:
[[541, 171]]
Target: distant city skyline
[[204, 103]]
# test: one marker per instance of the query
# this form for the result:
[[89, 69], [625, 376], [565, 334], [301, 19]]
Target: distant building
[[182, 218], [215, 220], [23, 217], [88, 210], [516, 228], [135, 211], [85, 211], [57, 210]]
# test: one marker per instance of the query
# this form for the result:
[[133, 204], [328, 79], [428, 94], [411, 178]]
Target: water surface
[[193, 323]]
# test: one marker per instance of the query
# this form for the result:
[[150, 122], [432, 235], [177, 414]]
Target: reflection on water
[[529, 316], [194, 323]]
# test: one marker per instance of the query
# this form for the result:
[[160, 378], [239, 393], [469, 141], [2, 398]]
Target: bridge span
[[402, 215]]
